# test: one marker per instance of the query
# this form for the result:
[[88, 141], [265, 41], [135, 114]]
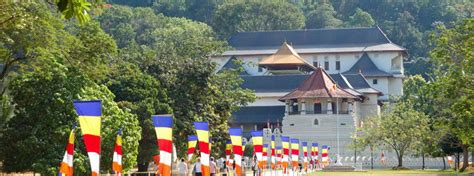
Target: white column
[[329, 109], [287, 107], [303, 107]]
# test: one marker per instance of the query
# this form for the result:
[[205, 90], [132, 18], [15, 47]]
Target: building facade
[[362, 59], [318, 85]]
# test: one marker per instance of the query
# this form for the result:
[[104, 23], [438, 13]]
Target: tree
[[454, 59], [45, 115], [241, 16], [360, 19], [419, 95], [323, 16], [144, 96], [399, 129], [174, 52]]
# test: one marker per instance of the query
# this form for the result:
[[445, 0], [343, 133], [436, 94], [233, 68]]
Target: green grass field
[[394, 173]]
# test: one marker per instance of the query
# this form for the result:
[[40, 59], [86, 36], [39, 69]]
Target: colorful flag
[[273, 159], [202, 131], [90, 113], [243, 146], [325, 155], [257, 139], [236, 138], [192, 141], [285, 141], [164, 134], [295, 148], [265, 155], [278, 155], [314, 151], [305, 155], [117, 158], [66, 168]]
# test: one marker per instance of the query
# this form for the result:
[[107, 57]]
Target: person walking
[[213, 167], [197, 168], [182, 168]]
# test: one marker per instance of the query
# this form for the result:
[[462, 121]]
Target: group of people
[[226, 168], [183, 168]]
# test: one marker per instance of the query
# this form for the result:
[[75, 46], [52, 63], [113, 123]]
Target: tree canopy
[[241, 16]]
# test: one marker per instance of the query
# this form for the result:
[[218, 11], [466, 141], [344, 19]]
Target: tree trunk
[[423, 161], [444, 163], [371, 158], [456, 162], [465, 158], [400, 161]]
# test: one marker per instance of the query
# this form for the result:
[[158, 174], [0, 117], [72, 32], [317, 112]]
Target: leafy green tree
[[404, 32], [6, 111], [399, 129], [114, 118], [45, 115], [248, 150], [174, 51], [322, 16], [144, 96], [360, 19], [241, 16], [454, 82]]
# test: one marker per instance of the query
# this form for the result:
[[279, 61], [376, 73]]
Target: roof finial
[[360, 71]]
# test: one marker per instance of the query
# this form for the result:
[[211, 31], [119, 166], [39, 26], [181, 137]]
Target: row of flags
[[90, 121], [90, 113]]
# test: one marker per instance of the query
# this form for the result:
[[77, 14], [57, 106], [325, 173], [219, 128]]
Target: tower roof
[[318, 85], [286, 55], [365, 66]]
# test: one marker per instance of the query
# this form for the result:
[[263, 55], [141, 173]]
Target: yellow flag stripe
[[90, 125]]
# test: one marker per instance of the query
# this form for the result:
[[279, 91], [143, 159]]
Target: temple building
[[318, 85], [362, 63]]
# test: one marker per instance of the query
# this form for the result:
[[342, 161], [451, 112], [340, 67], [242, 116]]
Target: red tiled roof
[[318, 85]]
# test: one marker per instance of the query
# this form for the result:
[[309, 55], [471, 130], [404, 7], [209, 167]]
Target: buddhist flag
[[192, 141], [265, 155], [278, 155], [66, 168], [257, 140], [90, 121], [228, 149], [117, 158], [285, 141], [164, 135], [236, 138], [243, 146], [325, 155], [202, 131], [305, 155], [273, 159], [314, 151], [295, 148]]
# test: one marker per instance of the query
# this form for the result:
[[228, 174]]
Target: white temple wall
[[395, 86]]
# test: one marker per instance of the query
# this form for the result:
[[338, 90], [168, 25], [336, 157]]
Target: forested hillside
[[406, 22]]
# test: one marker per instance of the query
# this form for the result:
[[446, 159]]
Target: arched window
[[316, 122]]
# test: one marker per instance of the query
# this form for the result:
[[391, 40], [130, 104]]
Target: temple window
[[316, 122]]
